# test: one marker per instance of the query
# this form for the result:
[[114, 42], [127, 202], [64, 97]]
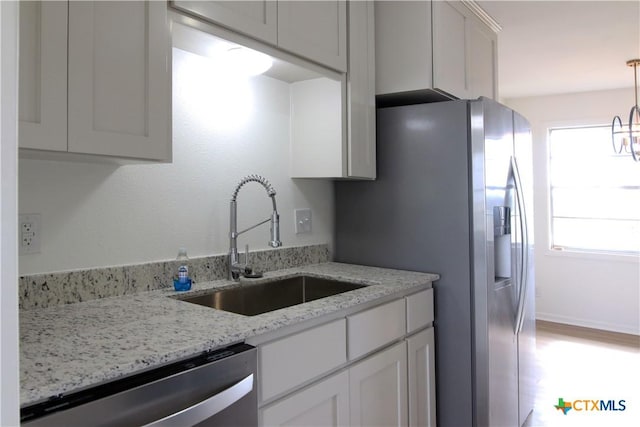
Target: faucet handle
[[248, 269]]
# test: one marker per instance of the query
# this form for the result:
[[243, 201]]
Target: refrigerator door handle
[[522, 223]]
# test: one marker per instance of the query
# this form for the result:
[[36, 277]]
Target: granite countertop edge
[[72, 347]]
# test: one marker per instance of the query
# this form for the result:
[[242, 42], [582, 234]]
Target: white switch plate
[[29, 234], [303, 220]]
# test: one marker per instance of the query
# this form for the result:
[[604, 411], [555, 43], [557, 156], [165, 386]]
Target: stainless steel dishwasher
[[214, 389]]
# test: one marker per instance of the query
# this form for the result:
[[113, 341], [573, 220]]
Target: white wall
[[9, 395], [597, 291], [99, 215]]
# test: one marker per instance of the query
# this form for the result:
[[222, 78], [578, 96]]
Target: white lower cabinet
[[422, 383], [323, 404], [378, 389], [388, 378], [371, 392]]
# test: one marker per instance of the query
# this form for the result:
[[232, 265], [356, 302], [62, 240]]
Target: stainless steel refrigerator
[[453, 196]]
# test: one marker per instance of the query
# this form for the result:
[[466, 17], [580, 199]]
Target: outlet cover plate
[[29, 234], [303, 220]]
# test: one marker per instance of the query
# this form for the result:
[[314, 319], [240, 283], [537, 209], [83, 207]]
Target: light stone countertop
[[71, 347]]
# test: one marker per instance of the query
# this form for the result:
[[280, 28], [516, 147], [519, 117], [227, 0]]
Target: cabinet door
[[323, 404], [422, 379], [316, 30], [254, 18], [450, 43], [120, 79], [403, 46], [43, 75], [378, 389], [361, 91], [483, 60]]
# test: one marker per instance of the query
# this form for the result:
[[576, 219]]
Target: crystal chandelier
[[627, 137]]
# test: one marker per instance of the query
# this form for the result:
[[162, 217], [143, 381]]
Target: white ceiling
[[551, 47]]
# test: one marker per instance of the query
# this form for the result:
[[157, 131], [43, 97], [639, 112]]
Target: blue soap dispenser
[[182, 282]]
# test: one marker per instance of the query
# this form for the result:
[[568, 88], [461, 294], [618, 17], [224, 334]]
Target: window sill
[[629, 258]]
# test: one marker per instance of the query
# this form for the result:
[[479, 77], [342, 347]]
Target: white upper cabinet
[[316, 30], [257, 19], [43, 75], [483, 59], [333, 106], [450, 48], [119, 79], [116, 59], [434, 50], [333, 121], [403, 46]]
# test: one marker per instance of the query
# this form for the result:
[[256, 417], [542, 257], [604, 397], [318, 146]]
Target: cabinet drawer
[[292, 360], [419, 310], [375, 327]]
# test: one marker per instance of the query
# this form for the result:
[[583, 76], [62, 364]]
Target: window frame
[[574, 252]]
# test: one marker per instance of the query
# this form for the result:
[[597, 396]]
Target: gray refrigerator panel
[[445, 174], [417, 216]]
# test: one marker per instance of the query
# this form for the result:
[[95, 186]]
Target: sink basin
[[261, 298]]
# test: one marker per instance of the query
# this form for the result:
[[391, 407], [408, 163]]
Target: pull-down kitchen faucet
[[235, 268]]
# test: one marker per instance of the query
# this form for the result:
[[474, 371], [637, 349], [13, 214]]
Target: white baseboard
[[588, 323]]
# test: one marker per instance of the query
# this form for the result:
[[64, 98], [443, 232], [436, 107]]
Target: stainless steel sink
[[256, 299]]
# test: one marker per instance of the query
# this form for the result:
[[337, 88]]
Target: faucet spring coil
[[254, 178]]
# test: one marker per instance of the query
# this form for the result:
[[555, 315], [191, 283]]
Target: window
[[595, 193]]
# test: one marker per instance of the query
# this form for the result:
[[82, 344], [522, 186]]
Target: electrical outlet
[[303, 220], [29, 234]]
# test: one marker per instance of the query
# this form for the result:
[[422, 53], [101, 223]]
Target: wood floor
[[586, 364]]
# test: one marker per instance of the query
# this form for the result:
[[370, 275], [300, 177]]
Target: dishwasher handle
[[207, 408]]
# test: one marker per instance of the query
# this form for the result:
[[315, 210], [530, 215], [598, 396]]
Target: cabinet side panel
[[361, 86], [317, 129]]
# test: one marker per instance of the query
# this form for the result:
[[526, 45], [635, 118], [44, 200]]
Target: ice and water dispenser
[[502, 242]]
